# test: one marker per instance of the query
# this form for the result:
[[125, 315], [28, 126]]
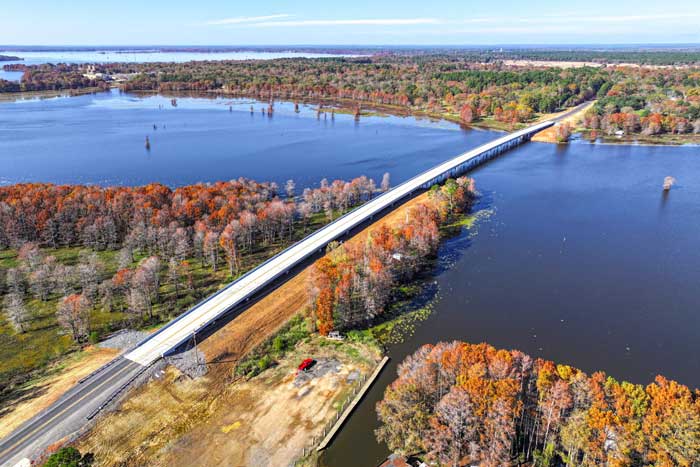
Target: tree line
[[462, 404], [49, 77], [652, 103], [460, 86]]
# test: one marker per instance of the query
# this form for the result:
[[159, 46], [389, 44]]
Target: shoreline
[[10, 97], [346, 106]]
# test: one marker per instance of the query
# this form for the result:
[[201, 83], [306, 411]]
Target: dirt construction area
[[265, 421]]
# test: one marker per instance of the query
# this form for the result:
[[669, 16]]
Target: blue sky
[[427, 22]]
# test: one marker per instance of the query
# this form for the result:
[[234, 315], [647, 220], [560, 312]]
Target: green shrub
[[94, 337], [264, 362], [69, 457], [261, 358], [279, 345]]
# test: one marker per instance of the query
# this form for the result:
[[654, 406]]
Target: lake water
[[580, 260], [100, 139], [579, 257], [138, 56]]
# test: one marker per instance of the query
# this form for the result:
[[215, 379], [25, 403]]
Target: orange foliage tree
[[463, 404]]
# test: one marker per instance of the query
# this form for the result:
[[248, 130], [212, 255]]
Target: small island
[[9, 58]]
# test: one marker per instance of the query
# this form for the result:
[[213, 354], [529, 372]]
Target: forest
[[463, 404], [647, 101], [78, 262], [657, 56], [49, 78], [352, 284]]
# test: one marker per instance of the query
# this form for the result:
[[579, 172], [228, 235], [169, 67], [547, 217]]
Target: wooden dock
[[346, 413]]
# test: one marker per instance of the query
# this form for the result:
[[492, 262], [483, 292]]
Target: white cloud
[[347, 22], [245, 19], [550, 23], [575, 19], [622, 18]]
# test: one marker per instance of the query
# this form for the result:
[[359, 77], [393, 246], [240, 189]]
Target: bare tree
[[15, 311], [174, 276], [89, 272], [15, 281], [289, 188], [249, 222], [181, 245], [125, 257], [668, 183], [73, 313], [328, 209], [211, 248], [41, 282], [198, 245], [30, 254], [229, 242], [386, 182], [64, 279], [306, 211], [148, 279], [138, 302], [106, 292], [454, 434]]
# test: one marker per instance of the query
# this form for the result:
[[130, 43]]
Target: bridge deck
[[238, 292]]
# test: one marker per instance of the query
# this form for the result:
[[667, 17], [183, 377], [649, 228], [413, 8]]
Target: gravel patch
[[322, 367], [353, 376], [191, 362], [123, 340]]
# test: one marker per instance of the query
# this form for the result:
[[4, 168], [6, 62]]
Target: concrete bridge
[[69, 413], [182, 329]]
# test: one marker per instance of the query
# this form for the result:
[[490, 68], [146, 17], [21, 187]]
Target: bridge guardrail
[[402, 186]]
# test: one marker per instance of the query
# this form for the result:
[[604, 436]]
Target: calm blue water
[[582, 260], [140, 56], [100, 139]]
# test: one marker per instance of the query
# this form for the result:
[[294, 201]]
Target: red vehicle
[[307, 364]]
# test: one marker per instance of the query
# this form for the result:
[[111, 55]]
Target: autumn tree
[[544, 413], [562, 132]]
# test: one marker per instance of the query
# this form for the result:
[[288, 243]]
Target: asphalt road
[[67, 415], [568, 113]]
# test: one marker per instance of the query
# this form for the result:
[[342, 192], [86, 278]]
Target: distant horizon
[[363, 22], [144, 46]]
